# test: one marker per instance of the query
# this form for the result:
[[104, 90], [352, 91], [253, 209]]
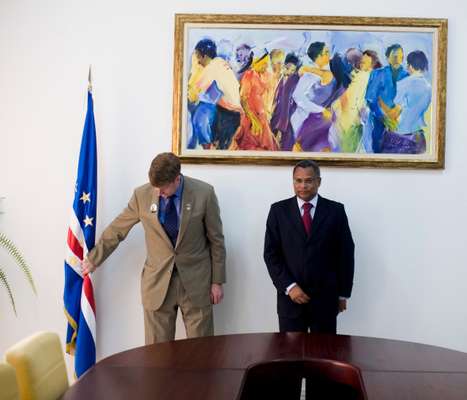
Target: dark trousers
[[318, 315]]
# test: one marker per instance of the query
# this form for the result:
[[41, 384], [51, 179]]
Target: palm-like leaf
[[13, 250], [4, 282]]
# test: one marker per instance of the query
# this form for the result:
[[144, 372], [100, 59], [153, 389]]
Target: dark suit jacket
[[322, 264]]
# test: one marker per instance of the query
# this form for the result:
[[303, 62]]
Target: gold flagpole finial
[[90, 79]]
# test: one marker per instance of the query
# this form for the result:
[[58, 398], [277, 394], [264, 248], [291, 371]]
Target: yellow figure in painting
[[350, 108], [277, 67]]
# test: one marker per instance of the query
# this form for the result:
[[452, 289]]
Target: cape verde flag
[[78, 294]]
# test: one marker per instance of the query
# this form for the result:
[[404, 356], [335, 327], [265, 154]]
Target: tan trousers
[[159, 325]]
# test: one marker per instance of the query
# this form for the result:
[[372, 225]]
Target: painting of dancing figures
[[332, 92]]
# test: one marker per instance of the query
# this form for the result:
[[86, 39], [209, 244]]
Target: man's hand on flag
[[87, 267]]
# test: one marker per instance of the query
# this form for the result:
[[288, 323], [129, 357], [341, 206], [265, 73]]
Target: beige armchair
[[8, 383], [40, 366]]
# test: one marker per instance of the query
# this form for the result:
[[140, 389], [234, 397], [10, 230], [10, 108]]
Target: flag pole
[[90, 79]]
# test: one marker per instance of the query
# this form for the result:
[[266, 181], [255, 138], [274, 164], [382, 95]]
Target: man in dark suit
[[309, 253]]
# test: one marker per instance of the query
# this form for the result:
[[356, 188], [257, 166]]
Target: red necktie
[[307, 217]]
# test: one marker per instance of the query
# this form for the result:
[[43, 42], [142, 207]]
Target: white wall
[[409, 226]]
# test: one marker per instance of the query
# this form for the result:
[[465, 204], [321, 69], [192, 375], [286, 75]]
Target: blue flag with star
[[78, 296]]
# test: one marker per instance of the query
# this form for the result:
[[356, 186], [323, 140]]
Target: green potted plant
[[10, 247]]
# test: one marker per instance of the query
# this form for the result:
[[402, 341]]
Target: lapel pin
[[153, 208]]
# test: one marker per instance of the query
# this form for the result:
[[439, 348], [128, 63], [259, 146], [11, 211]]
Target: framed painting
[[344, 91]]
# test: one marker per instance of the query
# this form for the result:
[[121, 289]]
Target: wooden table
[[214, 367]]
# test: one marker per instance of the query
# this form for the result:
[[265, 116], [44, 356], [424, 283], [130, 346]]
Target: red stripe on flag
[[88, 292], [74, 245]]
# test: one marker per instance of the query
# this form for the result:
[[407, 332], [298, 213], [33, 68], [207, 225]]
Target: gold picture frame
[[376, 68]]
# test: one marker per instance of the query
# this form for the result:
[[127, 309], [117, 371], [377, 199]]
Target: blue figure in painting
[[204, 110], [216, 92], [382, 87], [411, 102]]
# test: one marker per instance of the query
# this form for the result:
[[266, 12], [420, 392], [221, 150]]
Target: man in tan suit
[[185, 263]]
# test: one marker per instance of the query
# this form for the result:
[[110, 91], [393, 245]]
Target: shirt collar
[[313, 202], [179, 191]]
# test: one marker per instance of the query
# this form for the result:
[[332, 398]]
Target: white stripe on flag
[[73, 261], [88, 313], [77, 231]]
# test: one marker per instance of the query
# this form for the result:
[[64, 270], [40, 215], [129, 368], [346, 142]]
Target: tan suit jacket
[[199, 252]]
